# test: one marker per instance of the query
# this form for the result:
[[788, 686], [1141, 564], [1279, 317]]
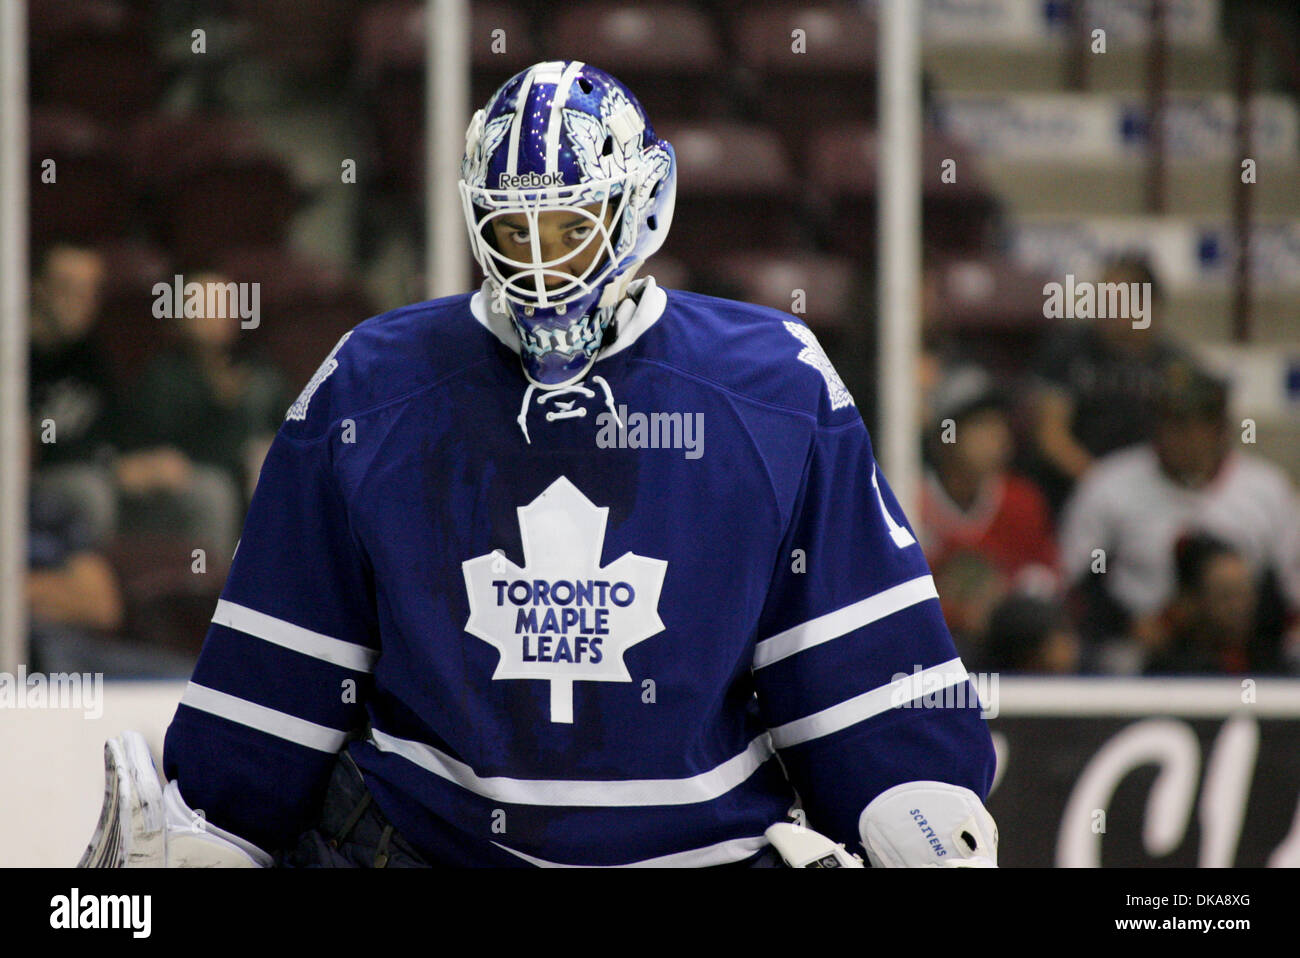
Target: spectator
[[1212, 624], [970, 501], [1095, 386], [1029, 633], [201, 422], [74, 600], [1121, 525], [69, 585], [969, 587], [73, 399]]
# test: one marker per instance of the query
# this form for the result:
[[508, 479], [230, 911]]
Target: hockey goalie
[[478, 617]]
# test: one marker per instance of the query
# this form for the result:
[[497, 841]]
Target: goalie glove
[[144, 825], [929, 824], [801, 847]]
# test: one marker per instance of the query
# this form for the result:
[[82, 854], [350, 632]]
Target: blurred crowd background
[[1099, 498]]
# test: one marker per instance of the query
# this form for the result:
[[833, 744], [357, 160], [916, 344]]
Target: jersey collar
[[641, 309]]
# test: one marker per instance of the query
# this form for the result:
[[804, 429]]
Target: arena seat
[[496, 57], [127, 330], [93, 196], [990, 307], [96, 56], [832, 82], [821, 290], [958, 215], [305, 307], [308, 39], [734, 187], [666, 52], [212, 185]]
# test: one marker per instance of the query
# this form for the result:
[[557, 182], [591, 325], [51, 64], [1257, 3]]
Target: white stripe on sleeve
[[290, 636], [832, 625], [280, 724], [868, 704]]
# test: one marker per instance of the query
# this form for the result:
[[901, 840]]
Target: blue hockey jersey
[[579, 626]]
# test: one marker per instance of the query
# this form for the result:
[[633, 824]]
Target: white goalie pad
[[929, 824], [801, 847], [144, 825]]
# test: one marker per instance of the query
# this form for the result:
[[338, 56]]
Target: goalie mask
[[566, 137]]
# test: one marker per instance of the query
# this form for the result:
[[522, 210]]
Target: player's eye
[[518, 237], [580, 233]]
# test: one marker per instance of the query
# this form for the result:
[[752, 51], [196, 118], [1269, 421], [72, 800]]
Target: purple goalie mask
[[564, 136]]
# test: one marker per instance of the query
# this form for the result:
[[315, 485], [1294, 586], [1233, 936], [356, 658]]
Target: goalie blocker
[[146, 825]]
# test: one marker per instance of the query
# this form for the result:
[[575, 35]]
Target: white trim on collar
[[634, 316]]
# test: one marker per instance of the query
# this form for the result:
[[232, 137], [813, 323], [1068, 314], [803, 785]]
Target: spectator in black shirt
[[72, 396], [1096, 384]]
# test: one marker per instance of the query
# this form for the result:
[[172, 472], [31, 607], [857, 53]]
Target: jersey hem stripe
[[263, 719], [841, 622], [869, 704], [349, 655], [595, 794], [722, 853]]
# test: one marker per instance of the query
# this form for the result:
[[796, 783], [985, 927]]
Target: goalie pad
[[144, 825], [801, 847], [929, 824]]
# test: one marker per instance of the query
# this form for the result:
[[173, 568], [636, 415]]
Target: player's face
[[565, 238]]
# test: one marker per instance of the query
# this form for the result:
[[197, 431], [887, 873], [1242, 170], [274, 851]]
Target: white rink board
[[54, 768], [53, 762]]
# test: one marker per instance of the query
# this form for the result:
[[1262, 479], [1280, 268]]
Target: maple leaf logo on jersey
[[563, 618], [299, 408], [813, 354]]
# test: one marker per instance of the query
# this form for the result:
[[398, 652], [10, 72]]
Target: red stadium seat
[[213, 184], [168, 606], [309, 39], [988, 291], [501, 44], [667, 53], [92, 55], [989, 307], [823, 291], [127, 330], [956, 215], [734, 185], [390, 63], [390, 56], [833, 79], [305, 307], [92, 196]]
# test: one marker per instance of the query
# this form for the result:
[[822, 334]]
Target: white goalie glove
[[913, 825], [801, 847], [929, 825], [146, 825]]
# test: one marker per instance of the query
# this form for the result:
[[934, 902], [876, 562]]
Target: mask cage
[[523, 282]]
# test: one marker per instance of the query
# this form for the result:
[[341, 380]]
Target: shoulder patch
[[813, 354], [299, 408]]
